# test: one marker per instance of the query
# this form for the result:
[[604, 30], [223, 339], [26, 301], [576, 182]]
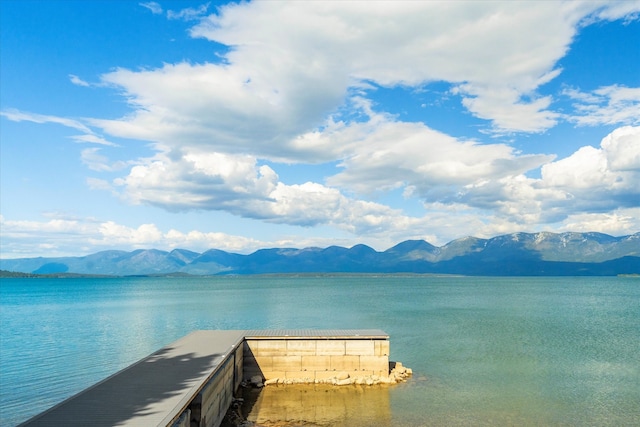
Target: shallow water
[[484, 351]]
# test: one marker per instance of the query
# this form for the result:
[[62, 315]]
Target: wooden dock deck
[[153, 391]]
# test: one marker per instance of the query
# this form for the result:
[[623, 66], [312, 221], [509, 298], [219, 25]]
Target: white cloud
[[281, 81], [262, 101], [94, 139], [594, 189], [486, 48], [211, 181], [19, 116], [94, 160], [613, 167], [237, 184], [380, 154], [618, 222], [153, 6], [383, 154], [467, 187], [622, 149], [608, 105], [628, 10], [599, 180], [190, 13], [507, 111], [80, 236], [117, 234], [62, 236], [214, 106], [89, 136], [590, 182], [288, 93], [56, 225], [101, 184], [217, 240], [78, 81], [584, 169]]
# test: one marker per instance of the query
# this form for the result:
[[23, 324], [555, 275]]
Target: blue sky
[[241, 126]]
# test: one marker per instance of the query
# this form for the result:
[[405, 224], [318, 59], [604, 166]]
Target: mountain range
[[518, 254]]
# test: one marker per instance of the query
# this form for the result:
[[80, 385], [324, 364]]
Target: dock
[[192, 381]]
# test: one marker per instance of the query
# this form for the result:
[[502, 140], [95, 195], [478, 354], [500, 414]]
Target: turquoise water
[[484, 351]]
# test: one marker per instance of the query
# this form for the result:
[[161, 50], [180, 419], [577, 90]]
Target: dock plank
[[151, 392]]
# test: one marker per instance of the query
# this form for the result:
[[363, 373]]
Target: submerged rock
[[397, 373], [256, 381]]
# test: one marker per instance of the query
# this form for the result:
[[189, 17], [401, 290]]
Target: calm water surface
[[484, 351]]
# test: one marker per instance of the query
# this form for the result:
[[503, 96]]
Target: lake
[[484, 350]]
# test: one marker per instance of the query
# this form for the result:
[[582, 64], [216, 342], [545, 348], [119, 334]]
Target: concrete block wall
[[217, 395], [315, 359], [238, 375], [210, 405], [184, 420]]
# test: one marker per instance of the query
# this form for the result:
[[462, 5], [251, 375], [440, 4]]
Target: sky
[[240, 126]]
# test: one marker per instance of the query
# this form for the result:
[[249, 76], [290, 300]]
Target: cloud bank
[[300, 93]]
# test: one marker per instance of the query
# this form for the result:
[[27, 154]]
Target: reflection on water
[[318, 405]]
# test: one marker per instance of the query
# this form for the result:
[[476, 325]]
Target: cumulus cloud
[[278, 82], [239, 185], [487, 182], [507, 111], [600, 179], [387, 154], [118, 234], [299, 92], [619, 222], [622, 148], [591, 181], [221, 108], [198, 181], [496, 66], [272, 94], [594, 189]]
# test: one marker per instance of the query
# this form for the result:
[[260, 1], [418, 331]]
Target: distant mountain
[[531, 254]]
